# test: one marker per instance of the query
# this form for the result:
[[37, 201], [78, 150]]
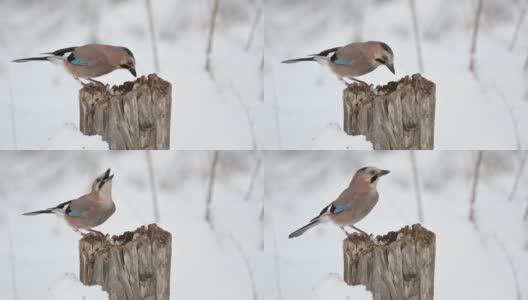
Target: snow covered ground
[[206, 113], [485, 113], [470, 263], [45, 249]]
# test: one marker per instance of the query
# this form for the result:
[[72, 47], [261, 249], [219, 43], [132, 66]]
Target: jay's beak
[[391, 68], [383, 172], [133, 71]]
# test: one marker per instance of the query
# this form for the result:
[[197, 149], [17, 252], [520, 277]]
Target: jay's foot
[[96, 82]]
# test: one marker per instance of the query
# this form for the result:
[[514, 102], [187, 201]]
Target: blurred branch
[[250, 270], [276, 110], [247, 112], [511, 264], [417, 186], [212, 26], [473, 197], [518, 176], [153, 36], [253, 178], [417, 35], [525, 68], [276, 261], [153, 190], [12, 261], [258, 16], [261, 221], [12, 111], [515, 35], [515, 121], [476, 28], [210, 186]]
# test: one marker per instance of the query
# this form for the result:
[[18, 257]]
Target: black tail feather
[[30, 59], [61, 52], [303, 229], [38, 212], [326, 52], [291, 61]]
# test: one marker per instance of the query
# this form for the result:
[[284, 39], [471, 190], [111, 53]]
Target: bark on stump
[[133, 266], [397, 266], [397, 116], [133, 116]]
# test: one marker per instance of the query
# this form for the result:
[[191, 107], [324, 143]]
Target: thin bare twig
[[256, 21], [518, 26], [515, 121], [12, 112], [261, 221], [511, 264], [250, 270], [253, 179], [474, 39], [276, 261], [212, 25], [249, 118], [276, 110], [12, 261], [210, 186], [525, 68], [473, 196], [525, 216], [153, 36], [518, 176], [412, 4], [153, 190], [414, 166]]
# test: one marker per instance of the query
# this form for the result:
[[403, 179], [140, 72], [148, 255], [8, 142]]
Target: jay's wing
[[80, 206], [344, 202], [348, 55], [87, 55]]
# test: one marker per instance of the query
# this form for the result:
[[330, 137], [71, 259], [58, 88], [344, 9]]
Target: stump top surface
[[416, 81], [152, 81], [151, 232], [415, 232]]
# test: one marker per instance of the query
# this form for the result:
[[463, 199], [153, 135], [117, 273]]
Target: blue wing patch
[[341, 61], [339, 208], [73, 213], [79, 62]]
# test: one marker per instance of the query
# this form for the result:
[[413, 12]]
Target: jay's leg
[[359, 230]]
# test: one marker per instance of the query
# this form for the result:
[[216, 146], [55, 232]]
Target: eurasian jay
[[89, 61], [88, 211], [353, 60], [354, 203]]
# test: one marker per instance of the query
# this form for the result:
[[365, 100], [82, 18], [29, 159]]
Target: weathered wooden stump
[[397, 116], [133, 266], [133, 116], [397, 266]]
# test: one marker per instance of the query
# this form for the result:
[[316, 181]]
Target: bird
[[89, 61], [87, 211], [353, 60], [354, 203]]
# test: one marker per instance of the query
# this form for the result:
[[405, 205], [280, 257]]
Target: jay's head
[[369, 175], [128, 61], [103, 183], [385, 56]]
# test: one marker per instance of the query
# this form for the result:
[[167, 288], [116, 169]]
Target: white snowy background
[[39, 102], [39, 256], [487, 262], [486, 111]]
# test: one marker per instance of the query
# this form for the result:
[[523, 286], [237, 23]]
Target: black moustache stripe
[[374, 178]]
